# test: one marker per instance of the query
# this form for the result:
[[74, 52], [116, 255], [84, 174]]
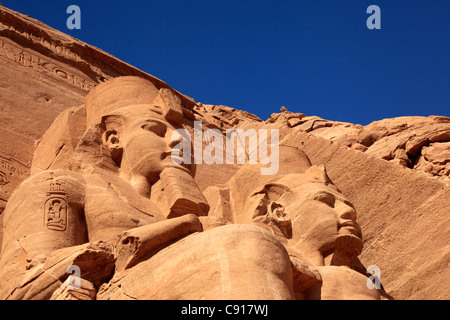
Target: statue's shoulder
[[52, 177], [48, 184]]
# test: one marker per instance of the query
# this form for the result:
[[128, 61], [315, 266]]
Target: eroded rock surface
[[88, 186], [419, 143]]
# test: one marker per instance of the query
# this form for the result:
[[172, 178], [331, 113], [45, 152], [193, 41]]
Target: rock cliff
[[395, 172]]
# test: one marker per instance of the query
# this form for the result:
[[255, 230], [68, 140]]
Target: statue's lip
[[177, 158], [351, 226], [182, 166], [348, 223]]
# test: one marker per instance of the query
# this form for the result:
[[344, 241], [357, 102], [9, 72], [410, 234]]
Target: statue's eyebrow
[[144, 120], [152, 120], [316, 193]]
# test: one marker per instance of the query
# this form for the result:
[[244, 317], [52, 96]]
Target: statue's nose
[[346, 211], [175, 139]]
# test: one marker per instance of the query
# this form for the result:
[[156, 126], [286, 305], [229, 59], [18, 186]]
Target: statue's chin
[[349, 243]]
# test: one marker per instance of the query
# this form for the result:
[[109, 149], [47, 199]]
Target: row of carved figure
[[137, 226]]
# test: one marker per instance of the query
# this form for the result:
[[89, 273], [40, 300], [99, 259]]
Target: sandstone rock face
[[97, 205], [114, 205], [419, 143], [42, 73]]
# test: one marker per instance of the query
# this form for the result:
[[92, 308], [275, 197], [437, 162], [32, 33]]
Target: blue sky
[[314, 57]]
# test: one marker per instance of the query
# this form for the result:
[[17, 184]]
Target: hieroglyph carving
[[55, 208], [27, 59], [99, 67], [7, 170]]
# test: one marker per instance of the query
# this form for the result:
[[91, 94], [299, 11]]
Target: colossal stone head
[[310, 212], [300, 205], [125, 129], [125, 122], [138, 123]]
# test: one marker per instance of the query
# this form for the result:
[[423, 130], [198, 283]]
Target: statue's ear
[[270, 209], [111, 140], [276, 209], [319, 173], [278, 215]]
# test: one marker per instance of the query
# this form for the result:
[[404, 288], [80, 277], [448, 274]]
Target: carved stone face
[[311, 213], [144, 139], [320, 215]]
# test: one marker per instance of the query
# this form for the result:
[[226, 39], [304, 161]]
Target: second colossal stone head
[[300, 204]]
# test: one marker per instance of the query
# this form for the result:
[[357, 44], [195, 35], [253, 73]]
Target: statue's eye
[[325, 197], [155, 127]]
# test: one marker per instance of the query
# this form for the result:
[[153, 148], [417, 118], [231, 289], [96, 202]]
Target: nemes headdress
[[121, 92], [72, 125]]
